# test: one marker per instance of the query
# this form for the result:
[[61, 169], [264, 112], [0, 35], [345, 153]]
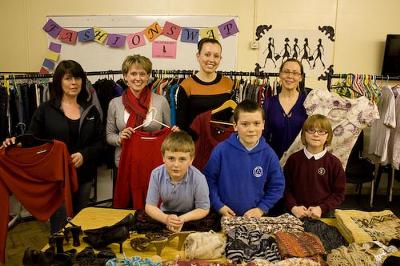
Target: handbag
[[204, 245]]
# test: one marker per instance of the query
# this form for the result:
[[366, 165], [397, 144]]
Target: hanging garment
[[394, 140], [347, 116], [42, 178], [4, 128], [195, 97], [380, 129], [140, 155], [209, 135]]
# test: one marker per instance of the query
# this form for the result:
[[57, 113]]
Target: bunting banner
[[133, 40], [103, 41], [52, 56]]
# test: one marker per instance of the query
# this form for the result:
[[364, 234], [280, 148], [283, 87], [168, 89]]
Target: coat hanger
[[227, 104], [148, 121], [221, 122], [29, 140]]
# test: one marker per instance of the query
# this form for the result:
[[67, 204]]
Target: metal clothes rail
[[36, 75], [344, 75]]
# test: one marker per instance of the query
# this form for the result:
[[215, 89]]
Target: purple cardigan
[[281, 129]]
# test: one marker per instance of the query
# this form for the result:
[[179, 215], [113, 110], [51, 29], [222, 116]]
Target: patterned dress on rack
[[347, 116]]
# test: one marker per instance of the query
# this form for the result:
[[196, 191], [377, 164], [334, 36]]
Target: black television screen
[[391, 60]]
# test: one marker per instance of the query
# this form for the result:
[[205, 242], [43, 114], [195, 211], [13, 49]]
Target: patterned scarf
[[136, 107]]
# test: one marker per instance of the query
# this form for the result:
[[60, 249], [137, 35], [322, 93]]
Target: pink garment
[[141, 153], [347, 116], [42, 178]]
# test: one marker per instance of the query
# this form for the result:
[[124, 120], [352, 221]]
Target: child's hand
[[315, 212], [226, 211], [174, 223], [299, 211], [255, 212]]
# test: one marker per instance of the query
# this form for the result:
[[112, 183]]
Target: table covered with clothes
[[352, 238]]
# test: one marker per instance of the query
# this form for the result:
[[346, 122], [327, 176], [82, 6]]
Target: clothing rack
[[344, 75], [379, 169], [155, 72]]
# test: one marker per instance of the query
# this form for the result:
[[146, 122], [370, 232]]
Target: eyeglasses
[[287, 73], [320, 132]]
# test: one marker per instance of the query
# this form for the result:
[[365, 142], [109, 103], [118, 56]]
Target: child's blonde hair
[[178, 142], [317, 121]]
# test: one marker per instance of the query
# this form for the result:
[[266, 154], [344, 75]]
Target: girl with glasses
[[315, 179]]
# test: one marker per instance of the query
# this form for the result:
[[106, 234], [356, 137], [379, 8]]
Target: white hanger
[[150, 118]]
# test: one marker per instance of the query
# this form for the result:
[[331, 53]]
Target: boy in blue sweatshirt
[[243, 172]]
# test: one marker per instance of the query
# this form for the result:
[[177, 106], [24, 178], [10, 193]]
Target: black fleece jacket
[[50, 122]]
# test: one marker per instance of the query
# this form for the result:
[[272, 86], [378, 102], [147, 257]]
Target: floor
[[34, 234]]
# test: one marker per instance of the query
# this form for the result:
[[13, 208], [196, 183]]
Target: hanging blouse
[[347, 116]]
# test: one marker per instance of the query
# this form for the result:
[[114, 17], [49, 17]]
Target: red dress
[[42, 178], [140, 154]]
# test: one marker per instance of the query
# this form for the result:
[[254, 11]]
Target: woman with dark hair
[[70, 117], [285, 113], [205, 90]]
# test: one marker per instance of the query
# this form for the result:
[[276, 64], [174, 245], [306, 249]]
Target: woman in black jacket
[[70, 117]]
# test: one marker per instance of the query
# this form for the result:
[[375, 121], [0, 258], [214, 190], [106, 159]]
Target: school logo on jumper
[[321, 171], [258, 171]]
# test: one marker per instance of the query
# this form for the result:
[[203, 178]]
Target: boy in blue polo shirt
[[179, 186], [243, 172]]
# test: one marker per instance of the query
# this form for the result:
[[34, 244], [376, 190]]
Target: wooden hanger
[[227, 104], [221, 122]]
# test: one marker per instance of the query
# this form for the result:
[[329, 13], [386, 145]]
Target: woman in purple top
[[285, 113]]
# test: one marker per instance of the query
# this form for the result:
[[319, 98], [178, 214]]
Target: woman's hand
[[126, 133], [175, 129], [77, 159], [7, 142]]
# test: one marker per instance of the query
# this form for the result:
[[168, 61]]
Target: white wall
[[361, 26]]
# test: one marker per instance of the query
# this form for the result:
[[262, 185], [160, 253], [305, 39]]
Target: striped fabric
[[244, 245], [267, 225]]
